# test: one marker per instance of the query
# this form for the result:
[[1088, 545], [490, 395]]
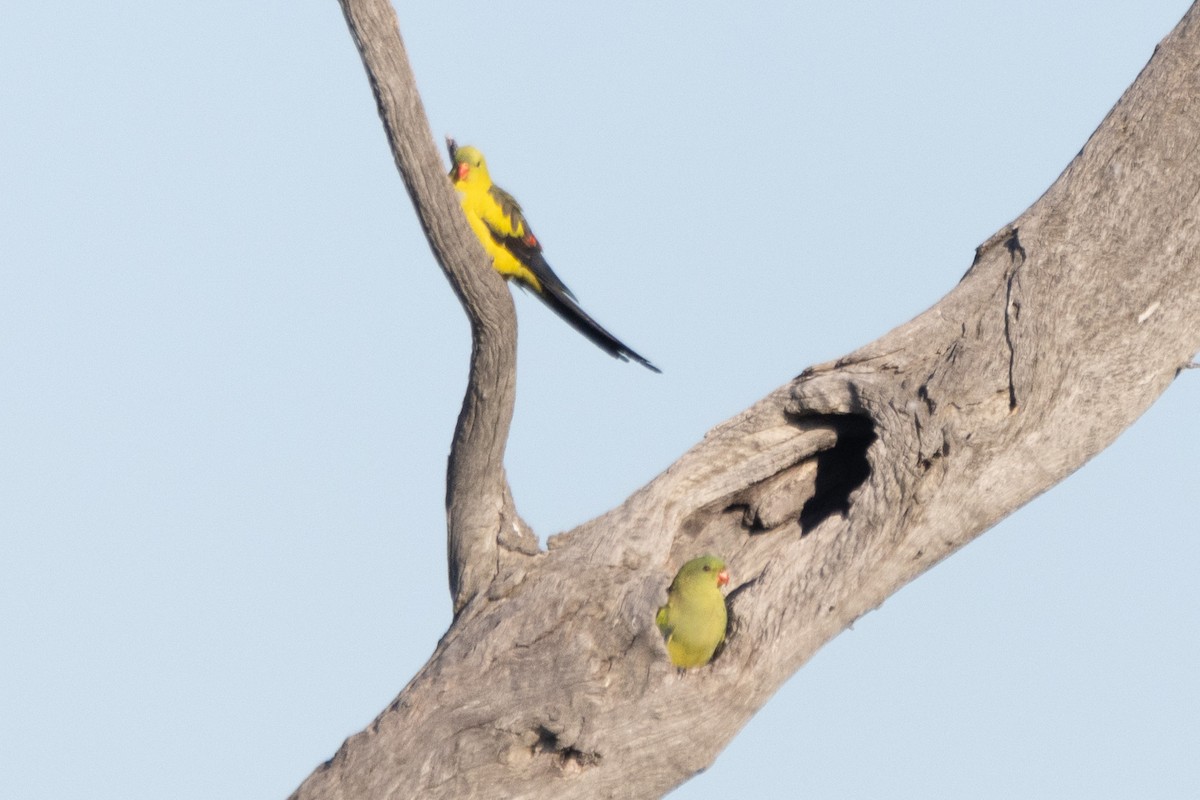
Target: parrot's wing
[[511, 231], [663, 620], [511, 222]]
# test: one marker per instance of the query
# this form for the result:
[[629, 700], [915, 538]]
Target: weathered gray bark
[[825, 497], [477, 493]]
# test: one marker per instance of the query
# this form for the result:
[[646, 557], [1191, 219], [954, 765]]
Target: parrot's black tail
[[578, 319]]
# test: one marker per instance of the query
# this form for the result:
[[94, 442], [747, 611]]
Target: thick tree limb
[[826, 496]]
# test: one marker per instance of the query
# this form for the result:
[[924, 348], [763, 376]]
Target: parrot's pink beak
[[722, 577], [463, 169]]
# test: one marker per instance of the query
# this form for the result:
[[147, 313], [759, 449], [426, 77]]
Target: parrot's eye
[[707, 568]]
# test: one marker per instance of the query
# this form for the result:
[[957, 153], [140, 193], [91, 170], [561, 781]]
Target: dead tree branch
[[825, 497], [481, 521]]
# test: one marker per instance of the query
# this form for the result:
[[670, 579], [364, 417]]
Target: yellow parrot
[[693, 620], [498, 222]]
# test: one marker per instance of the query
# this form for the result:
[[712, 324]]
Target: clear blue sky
[[229, 372]]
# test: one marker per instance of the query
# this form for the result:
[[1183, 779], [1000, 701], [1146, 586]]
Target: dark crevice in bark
[[840, 470], [1012, 308], [809, 490], [568, 757]]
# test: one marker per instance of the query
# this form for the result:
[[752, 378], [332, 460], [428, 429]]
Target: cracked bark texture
[[825, 497]]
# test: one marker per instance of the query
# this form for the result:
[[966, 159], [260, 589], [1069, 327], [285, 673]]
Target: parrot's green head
[[466, 160], [704, 568]]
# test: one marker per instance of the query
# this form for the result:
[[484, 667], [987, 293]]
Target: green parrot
[[694, 618]]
